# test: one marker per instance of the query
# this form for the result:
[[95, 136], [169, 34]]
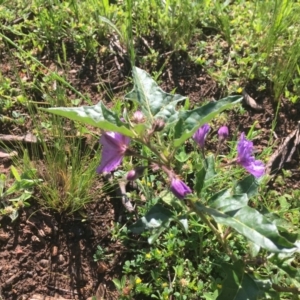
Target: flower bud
[[179, 188], [158, 125], [223, 133], [154, 167], [200, 135], [135, 173], [138, 117]]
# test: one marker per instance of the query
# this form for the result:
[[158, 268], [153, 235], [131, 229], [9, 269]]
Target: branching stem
[[219, 236]]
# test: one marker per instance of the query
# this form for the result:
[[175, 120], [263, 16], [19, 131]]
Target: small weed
[[100, 254], [15, 192]]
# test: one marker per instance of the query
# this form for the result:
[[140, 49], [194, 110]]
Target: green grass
[[234, 43]]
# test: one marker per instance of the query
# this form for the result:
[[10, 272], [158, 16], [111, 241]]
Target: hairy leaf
[[210, 170], [238, 285], [154, 102], [96, 115], [248, 222], [283, 262], [248, 185], [228, 203], [200, 177]]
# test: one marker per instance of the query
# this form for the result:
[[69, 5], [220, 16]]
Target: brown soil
[[45, 253]]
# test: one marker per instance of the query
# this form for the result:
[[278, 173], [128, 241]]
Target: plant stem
[[218, 150], [220, 238], [293, 290], [204, 158], [155, 151]]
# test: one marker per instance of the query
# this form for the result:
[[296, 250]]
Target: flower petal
[[256, 168], [114, 145], [244, 149], [109, 162], [246, 159]]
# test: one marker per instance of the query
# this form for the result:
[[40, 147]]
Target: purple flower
[[223, 133], [246, 159], [200, 135], [114, 145], [179, 188]]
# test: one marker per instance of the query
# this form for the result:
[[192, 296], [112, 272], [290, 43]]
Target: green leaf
[[13, 188], [154, 102], [15, 173], [2, 184], [223, 194], [14, 215], [96, 115], [266, 292], [253, 249], [157, 233], [210, 171], [174, 202], [205, 173], [117, 283], [140, 128], [111, 24], [191, 120], [284, 227], [226, 202], [182, 156], [248, 222], [238, 285], [248, 185], [200, 180], [283, 262], [184, 222], [155, 218], [210, 295]]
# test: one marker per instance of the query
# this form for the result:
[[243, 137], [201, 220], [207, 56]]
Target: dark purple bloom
[[114, 146], [200, 135], [246, 159], [179, 188], [223, 133]]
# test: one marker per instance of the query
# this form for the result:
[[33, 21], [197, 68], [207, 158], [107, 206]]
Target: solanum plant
[[163, 126]]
